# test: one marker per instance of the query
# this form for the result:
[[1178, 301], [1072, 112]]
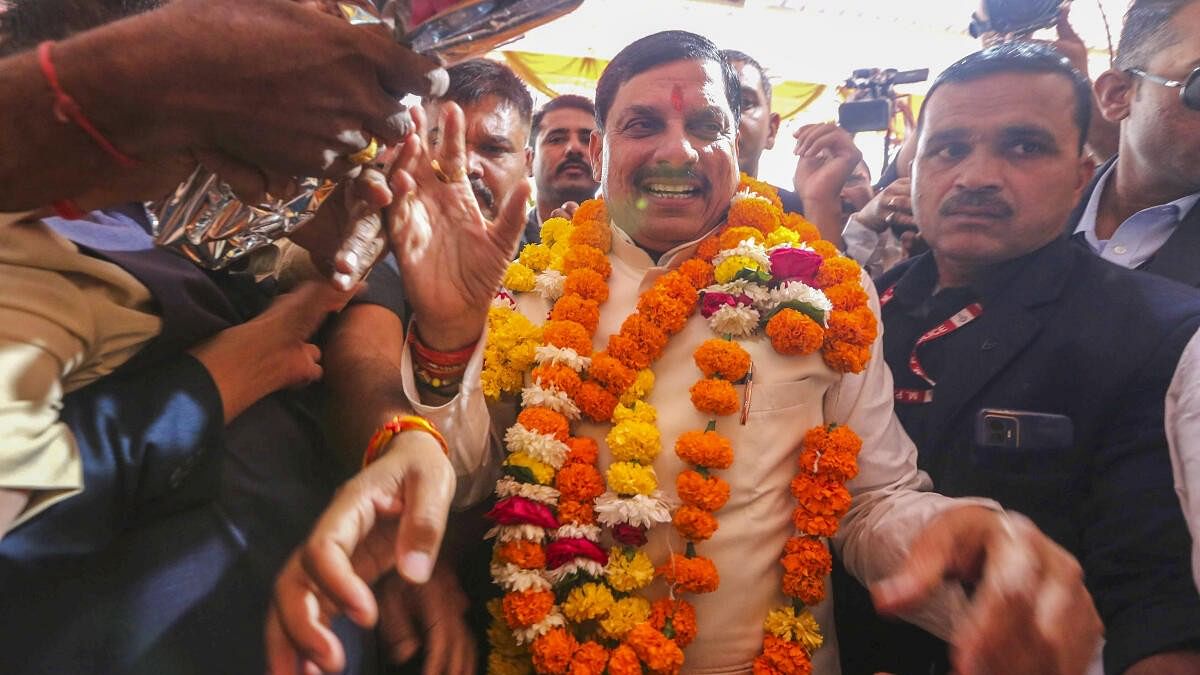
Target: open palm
[[451, 258]]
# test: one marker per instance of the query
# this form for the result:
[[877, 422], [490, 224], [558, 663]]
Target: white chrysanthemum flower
[[796, 291], [545, 449], [760, 295], [747, 193], [543, 494], [748, 248], [524, 532], [536, 396], [549, 284], [589, 532], [516, 580], [639, 510], [553, 620], [549, 354], [504, 299], [738, 321], [578, 565]]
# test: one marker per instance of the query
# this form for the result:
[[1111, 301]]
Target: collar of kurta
[[628, 252]]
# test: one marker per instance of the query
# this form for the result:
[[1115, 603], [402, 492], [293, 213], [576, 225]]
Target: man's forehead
[[1003, 99], [693, 83], [568, 118], [749, 77]]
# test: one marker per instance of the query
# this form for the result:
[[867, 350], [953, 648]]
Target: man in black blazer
[[1142, 210], [1032, 372]]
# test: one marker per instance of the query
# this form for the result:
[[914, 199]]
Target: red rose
[[629, 535], [564, 551], [522, 511], [710, 302], [795, 264]]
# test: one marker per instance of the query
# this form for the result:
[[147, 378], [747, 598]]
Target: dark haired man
[[1141, 210], [1031, 372], [665, 155], [562, 167]]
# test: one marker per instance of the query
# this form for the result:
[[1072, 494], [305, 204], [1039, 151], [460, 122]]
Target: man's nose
[[474, 165], [980, 170], [676, 148]]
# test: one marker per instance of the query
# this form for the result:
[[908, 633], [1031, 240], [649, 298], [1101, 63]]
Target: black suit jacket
[[1074, 335], [1179, 257]]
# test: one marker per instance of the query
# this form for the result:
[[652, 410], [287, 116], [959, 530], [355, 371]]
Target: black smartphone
[[995, 428]]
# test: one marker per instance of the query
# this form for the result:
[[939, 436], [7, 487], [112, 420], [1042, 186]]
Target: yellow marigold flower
[[589, 601], [502, 640], [730, 267], [558, 253], [501, 664], [536, 257], [634, 441], [555, 230], [518, 278], [624, 615], [542, 473], [639, 411], [640, 388], [627, 478], [782, 235], [785, 624], [628, 574]]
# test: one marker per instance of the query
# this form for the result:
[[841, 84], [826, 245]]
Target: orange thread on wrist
[[397, 425]]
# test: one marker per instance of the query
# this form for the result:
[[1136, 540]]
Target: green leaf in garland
[[520, 473], [806, 309], [753, 276]]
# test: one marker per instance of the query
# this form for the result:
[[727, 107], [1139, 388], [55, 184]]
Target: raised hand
[[826, 157], [892, 206], [451, 258]]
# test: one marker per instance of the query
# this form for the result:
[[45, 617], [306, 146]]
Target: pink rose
[[710, 302], [522, 511], [795, 264], [629, 535], [564, 551]]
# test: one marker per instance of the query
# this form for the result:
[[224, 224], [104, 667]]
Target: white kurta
[[790, 396]]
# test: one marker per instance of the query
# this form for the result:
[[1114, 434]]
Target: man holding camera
[[1028, 371]]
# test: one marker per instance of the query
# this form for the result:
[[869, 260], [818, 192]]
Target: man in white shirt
[[665, 153]]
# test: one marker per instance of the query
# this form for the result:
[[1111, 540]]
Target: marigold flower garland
[[572, 607]]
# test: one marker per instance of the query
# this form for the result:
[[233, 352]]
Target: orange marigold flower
[[804, 587], [611, 373], [807, 555], [831, 451], [725, 359], [579, 482], [708, 249], [546, 421], [794, 334], [705, 448], [682, 617], [760, 188], [557, 377], [801, 226], [587, 257], [552, 652], [814, 524], [526, 608], [857, 327], [826, 249], [525, 554], [595, 401], [583, 450], [836, 271], [694, 524], [715, 397], [568, 335], [699, 273], [709, 493], [586, 283], [755, 213], [624, 661], [677, 286], [595, 234], [628, 351], [576, 513], [821, 494], [645, 335], [669, 314], [783, 656], [660, 654], [589, 659], [733, 236], [690, 575], [847, 296], [578, 309], [592, 210], [845, 357]]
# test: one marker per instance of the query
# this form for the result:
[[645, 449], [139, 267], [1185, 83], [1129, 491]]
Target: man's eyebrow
[[497, 139], [640, 110], [947, 135], [708, 113], [1029, 131]]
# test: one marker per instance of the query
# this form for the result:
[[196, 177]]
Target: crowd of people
[[649, 414]]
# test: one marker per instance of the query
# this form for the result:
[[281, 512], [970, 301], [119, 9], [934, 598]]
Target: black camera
[[1014, 19], [871, 97]]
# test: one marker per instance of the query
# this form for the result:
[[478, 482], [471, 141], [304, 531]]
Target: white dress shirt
[[1183, 436]]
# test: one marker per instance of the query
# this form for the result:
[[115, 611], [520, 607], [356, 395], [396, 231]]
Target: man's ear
[[529, 162], [775, 119], [1115, 90], [596, 152]]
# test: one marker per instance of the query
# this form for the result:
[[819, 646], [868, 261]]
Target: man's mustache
[[975, 202], [483, 194], [573, 164], [645, 174]]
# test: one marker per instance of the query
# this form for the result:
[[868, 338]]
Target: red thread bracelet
[[67, 210], [432, 356], [67, 110]]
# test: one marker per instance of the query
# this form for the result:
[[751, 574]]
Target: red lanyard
[[963, 317]]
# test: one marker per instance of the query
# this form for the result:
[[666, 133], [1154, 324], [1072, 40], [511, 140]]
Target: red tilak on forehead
[[677, 98]]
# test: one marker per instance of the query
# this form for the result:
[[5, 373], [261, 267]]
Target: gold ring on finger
[[441, 175], [367, 154]]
